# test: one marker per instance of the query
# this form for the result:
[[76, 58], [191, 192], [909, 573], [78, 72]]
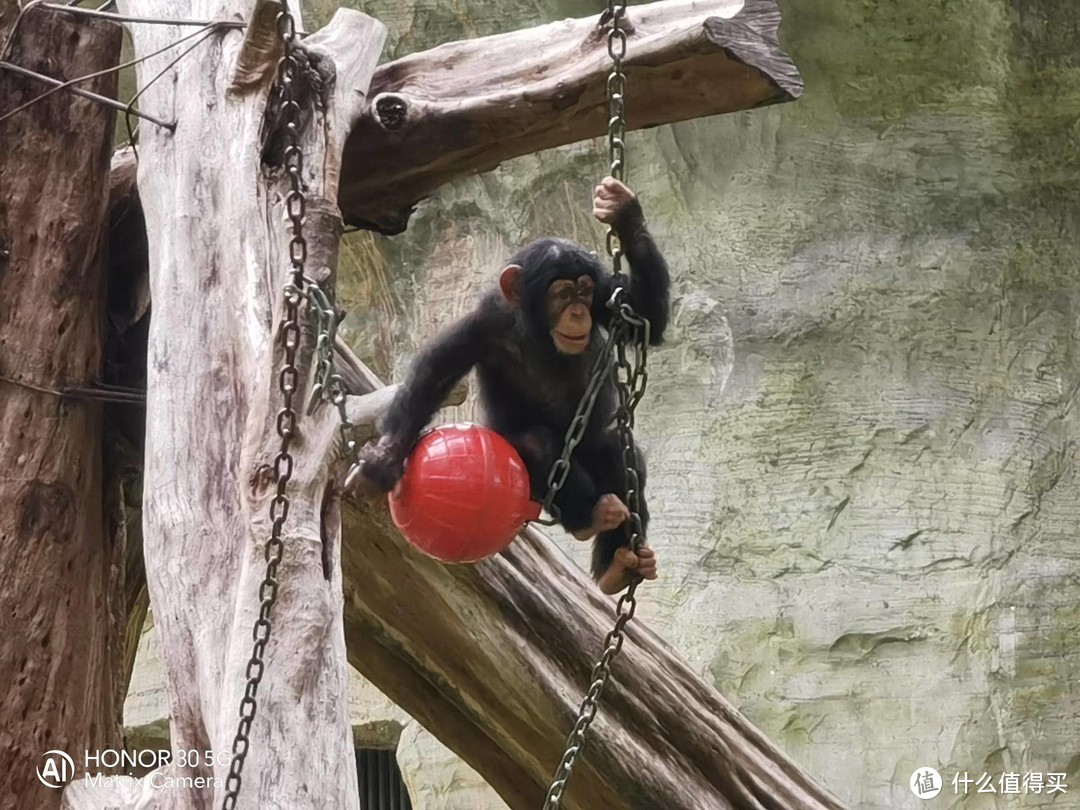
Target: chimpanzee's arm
[[650, 281], [435, 370]]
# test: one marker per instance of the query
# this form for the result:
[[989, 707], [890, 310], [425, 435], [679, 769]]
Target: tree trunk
[[61, 645], [212, 193]]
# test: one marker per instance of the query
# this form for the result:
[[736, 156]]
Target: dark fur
[[530, 391]]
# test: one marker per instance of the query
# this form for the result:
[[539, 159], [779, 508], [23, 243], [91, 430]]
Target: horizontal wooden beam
[[464, 107]]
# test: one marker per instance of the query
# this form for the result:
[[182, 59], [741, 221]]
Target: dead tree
[[500, 687], [62, 640]]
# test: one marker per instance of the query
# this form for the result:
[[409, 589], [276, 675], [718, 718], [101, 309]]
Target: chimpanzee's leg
[[539, 448]]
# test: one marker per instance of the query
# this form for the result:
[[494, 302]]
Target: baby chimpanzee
[[533, 340]]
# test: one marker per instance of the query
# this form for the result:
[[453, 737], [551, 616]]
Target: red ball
[[464, 495]]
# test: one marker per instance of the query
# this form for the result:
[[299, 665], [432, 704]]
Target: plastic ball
[[464, 495]]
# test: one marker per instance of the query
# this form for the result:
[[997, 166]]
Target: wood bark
[[61, 621], [212, 194], [465, 107]]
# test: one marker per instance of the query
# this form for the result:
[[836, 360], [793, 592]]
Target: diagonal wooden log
[[465, 107], [494, 659]]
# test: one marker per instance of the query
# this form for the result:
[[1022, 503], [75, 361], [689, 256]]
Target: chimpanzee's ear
[[510, 284]]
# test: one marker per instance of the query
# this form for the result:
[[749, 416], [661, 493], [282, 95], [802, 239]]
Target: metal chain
[[630, 380], [616, 93], [328, 383], [598, 376], [624, 611], [576, 432], [288, 379]]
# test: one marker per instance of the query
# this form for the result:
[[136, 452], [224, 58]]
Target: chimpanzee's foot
[[623, 566]]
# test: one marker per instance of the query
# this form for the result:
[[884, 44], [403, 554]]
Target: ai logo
[[57, 771]]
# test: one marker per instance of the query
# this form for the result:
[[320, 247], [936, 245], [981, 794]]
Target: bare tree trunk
[[61, 606], [212, 193]]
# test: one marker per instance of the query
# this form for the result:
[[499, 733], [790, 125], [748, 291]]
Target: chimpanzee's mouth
[[572, 338]]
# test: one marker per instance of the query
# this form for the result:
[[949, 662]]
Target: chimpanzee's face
[[569, 310]]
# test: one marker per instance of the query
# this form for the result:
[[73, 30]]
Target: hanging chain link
[[630, 384], [600, 373], [629, 331], [288, 379], [616, 94], [631, 379]]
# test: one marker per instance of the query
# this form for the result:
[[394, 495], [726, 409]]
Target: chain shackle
[[288, 383]]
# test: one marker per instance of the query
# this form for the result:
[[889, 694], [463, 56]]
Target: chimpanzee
[[533, 340]]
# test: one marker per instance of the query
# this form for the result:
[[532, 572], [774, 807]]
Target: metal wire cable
[[70, 84]]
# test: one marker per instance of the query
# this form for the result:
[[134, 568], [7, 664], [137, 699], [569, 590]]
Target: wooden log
[[61, 604], [494, 659], [465, 107]]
